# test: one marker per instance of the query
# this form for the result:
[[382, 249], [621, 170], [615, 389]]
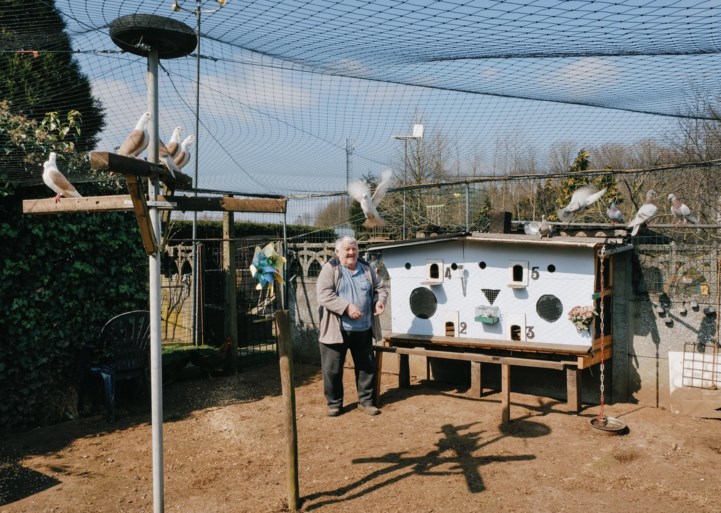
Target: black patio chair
[[125, 345]]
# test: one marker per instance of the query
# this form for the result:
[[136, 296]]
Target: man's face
[[348, 254]]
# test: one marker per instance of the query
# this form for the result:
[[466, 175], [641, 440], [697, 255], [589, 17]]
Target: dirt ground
[[433, 449]]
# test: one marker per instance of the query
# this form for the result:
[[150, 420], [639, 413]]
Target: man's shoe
[[335, 411], [370, 409]]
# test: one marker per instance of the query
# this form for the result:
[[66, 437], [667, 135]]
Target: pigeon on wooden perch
[[54, 179], [582, 198], [644, 214], [680, 211], [173, 146], [183, 155], [137, 140], [359, 191], [614, 213]]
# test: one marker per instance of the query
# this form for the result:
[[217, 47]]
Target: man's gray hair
[[346, 239]]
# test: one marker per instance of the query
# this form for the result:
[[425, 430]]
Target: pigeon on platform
[[614, 213], [138, 139], [680, 211], [359, 191], [183, 155], [644, 214], [581, 199], [173, 146], [545, 229], [54, 179]]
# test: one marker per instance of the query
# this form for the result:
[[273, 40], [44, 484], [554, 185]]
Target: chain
[[603, 331]]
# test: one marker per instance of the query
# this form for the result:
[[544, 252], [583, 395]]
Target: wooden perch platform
[[114, 163]]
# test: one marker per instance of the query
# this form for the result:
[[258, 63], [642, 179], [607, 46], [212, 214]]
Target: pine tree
[[38, 73]]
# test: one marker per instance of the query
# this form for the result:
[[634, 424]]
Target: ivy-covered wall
[[62, 277]]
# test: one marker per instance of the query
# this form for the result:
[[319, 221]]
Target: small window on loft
[[515, 332], [434, 271], [518, 271]]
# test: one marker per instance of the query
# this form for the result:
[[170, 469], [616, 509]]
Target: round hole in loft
[[423, 303], [549, 308], [407, 266], [482, 265], [454, 266], [551, 268]]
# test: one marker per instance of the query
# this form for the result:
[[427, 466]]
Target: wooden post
[[285, 352], [230, 325], [476, 379], [505, 393], [404, 371], [573, 387]]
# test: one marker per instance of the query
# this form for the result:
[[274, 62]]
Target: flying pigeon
[[137, 140], [680, 211], [360, 192], [581, 199], [644, 214], [545, 229], [54, 179], [183, 155], [613, 213], [173, 146], [532, 227]]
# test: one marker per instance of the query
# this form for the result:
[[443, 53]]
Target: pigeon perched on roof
[[545, 229], [138, 138], [359, 191], [183, 155], [532, 228], [614, 213], [54, 179], [581, 199], [680, 211], [644, 214]]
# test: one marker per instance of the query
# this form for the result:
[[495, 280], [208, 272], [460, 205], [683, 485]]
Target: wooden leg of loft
[[573, 387], [379, 370], [476, 379], [505, 393], [404, 371]]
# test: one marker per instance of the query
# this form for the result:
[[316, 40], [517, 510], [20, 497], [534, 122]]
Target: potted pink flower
[[582, 317]]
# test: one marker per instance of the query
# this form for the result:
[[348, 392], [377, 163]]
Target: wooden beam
[[114, 163], [140, 206], [85, 204], [227, 204], [122, 202]]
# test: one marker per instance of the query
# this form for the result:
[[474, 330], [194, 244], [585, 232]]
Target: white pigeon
[[644, 214], [614, 213], [680, 211], [183, 156], [173, 146], [582, 198], [532, 228], [138, 139], [545, 229], [369, 204], [54, 179]]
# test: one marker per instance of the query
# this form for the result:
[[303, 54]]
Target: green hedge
[[63, 277]]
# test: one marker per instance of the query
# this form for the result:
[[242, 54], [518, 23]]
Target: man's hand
[[380, 307]]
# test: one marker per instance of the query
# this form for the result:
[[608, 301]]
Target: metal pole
[[467, 206], [195, 179], [348, 153], [156, 348], [405, 182]]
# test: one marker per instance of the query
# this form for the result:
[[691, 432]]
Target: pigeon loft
[[506, 299]]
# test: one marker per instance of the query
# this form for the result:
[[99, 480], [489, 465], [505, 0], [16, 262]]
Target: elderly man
[[352, 297]]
